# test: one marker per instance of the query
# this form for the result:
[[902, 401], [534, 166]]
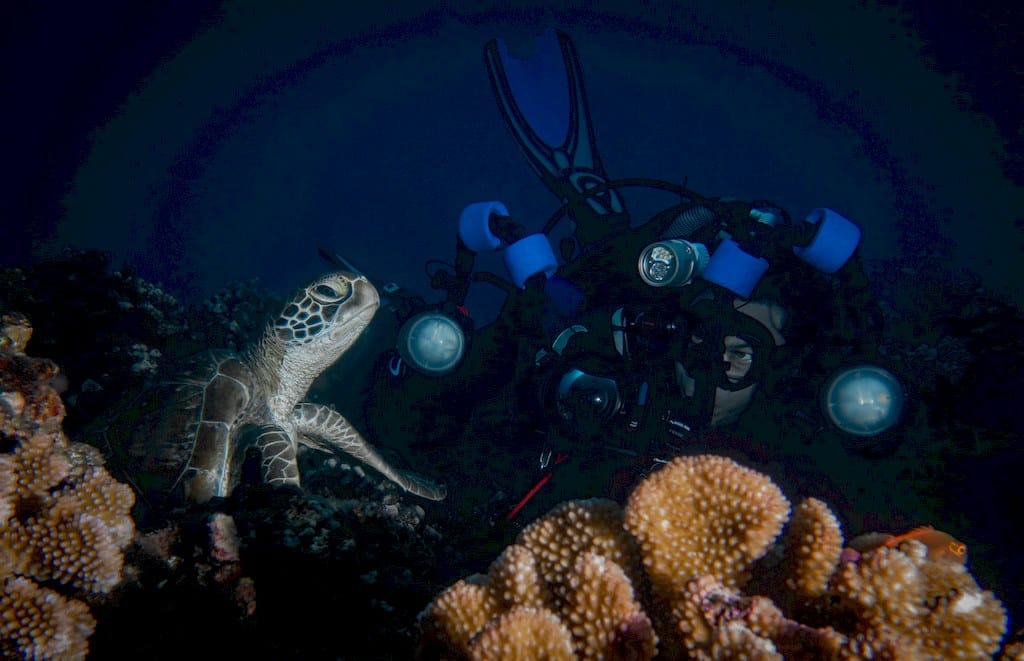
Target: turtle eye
[[328, 293]]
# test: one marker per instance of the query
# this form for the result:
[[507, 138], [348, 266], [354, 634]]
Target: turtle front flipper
[[280, 458], [324, 423]]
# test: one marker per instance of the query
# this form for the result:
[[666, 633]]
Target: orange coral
[[704, 515], [604, 615], [575, 527], [15, 332], [63, 517], [455, 616], [564, 569], [515, 580], [38, 623], [523, 633], [814, 543], [930, 607], [1013, 652], [702, 523]]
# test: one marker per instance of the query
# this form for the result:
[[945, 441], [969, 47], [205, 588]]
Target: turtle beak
[[363, 303]]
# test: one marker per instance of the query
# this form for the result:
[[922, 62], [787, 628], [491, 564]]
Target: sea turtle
[[255, 399]]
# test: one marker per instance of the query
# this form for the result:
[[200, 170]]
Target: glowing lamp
[[865, 400], [432, 343]]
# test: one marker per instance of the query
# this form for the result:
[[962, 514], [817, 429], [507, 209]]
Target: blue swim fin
[[544, 104]]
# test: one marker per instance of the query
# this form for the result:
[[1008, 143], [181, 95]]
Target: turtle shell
[[151, 433]]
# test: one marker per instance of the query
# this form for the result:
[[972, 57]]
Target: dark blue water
[[223, 143]]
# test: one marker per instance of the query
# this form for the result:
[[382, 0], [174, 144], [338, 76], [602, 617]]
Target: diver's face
[[738, 356]]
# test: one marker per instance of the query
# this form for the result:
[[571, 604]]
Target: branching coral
[[603, 613], [731, 514], [576, 527], [450, 622], [523, 633], [573, 566], [932, 608], [41, 624], [703, 525], [63, 518], [814, 543]]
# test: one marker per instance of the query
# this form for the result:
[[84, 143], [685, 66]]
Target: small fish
[[941, 545]]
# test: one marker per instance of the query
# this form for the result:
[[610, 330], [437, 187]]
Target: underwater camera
[[582, 395]]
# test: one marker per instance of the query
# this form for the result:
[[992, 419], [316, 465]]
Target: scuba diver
[[634, 335]]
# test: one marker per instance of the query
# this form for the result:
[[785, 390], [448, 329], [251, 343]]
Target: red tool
[[544, 461]]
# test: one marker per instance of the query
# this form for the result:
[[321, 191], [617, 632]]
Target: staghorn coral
[[887, 603], [63, 518]]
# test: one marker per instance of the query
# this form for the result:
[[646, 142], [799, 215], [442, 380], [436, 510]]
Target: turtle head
[[328, 315]]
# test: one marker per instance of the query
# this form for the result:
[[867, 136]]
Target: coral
[[730, 513], [814, 542], [63, 518], [603, 613], [459, 613], [1013, 652], [114, 331], [225, 563], [224, 541], [145, 358], [576, 527], [516, 580], [523, 633], [704, 525], [573, 565], [932, 607], [39, 623], [15, 332], [238, 312]]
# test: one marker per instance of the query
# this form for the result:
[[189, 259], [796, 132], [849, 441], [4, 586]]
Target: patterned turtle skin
[[265, 388]]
